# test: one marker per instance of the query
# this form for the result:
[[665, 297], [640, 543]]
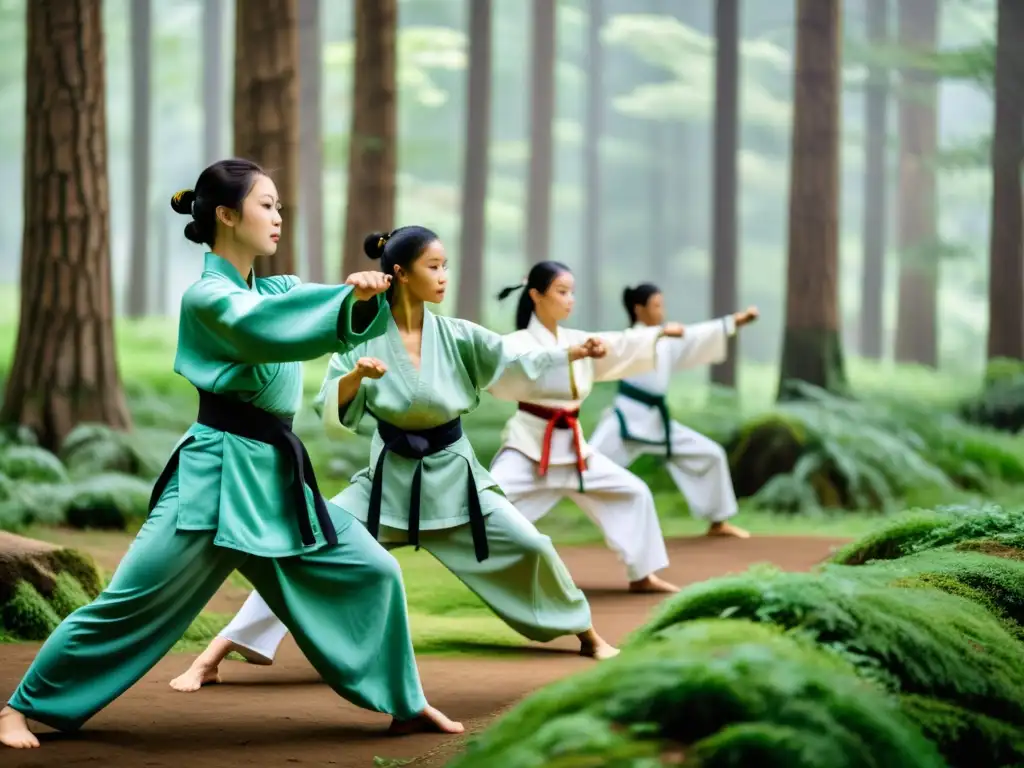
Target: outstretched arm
[[305, 322]]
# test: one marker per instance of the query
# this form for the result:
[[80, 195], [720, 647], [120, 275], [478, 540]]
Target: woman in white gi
[[424, 485], [544, 458], [639, 420]]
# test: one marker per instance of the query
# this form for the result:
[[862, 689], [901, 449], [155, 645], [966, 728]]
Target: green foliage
[[711, 694], [22, 462], [920, 530], [1000, 404], [939, 628], [110, 500], [827, 451], [68, 595], [92, 449]]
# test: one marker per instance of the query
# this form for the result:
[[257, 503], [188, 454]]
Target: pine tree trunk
[[876, 103], [811, 347], [311, 144], [266, 114], [593, 129], [1006, 243], [726, 139], [372, 150], [542, 117], [141, 15], [917, 307], [65, 363], [213, 80], [474, 164]]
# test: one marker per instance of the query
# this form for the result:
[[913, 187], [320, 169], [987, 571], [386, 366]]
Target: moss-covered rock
[[963, 737], [711, 694], [40, 583], [919, 530], [918, 641]]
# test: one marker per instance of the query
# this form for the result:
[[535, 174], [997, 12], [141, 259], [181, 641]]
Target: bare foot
[[205, 670], [14, 730], [724, 529], [598, 651], [652, 584], [594, 646], [430, 720], [196, 676]]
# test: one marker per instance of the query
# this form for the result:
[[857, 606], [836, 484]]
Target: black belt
[[226, 414], [417, 445], [652, 400]]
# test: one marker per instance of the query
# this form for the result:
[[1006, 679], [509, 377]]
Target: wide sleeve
[[704, 343], [340, 418], [305, 322], [629, 353], [508, 367]]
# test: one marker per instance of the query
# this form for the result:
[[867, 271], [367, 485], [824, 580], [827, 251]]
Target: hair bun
[[373, 244], [182, 201], [192, 232]]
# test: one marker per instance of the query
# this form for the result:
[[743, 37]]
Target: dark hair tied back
[[638, 297], [400, 248], [225, 183], [540, 278]]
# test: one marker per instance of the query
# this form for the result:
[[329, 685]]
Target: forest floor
[[283, 715]]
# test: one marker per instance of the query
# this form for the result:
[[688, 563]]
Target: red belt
[[557, 418]]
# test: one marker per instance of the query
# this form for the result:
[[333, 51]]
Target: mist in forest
[[657, 95]]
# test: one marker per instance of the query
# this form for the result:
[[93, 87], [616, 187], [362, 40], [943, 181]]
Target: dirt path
[[281, 716]]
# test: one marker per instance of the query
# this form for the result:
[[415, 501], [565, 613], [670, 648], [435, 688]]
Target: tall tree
[[812, 345], [726, 138], [475, 161], [213, 80], [266, 115], [542, 118], [917, 307], [593, 129], [1006, 244], [311, 138], [372, 147], [141, 24], [876, 103], [65, 364]]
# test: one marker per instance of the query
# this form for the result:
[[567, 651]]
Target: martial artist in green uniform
[[424, 485], [239, 493]]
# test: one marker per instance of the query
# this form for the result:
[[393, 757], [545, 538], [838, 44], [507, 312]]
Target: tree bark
[[65, 363], [1006, 243], [474, 164], [266, 114], [876, 104], [213, 81], [593, 190], [372, 150], [311, 144], [542, 117], [726, 139], [141, 42], [917, 307], [811, 347]]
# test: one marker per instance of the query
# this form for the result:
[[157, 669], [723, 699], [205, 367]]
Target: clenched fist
[[749, 315], [369, 368], [592, 347], [368, 284]]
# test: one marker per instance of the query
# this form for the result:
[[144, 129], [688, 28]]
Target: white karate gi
[[618, 501], [698, 465]]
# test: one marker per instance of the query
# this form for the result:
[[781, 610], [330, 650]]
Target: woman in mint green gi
[[424, 485], [239, 493]]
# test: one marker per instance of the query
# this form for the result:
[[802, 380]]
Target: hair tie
[[381, 240]]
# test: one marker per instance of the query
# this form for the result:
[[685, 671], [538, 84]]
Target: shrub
[[711, 694]]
